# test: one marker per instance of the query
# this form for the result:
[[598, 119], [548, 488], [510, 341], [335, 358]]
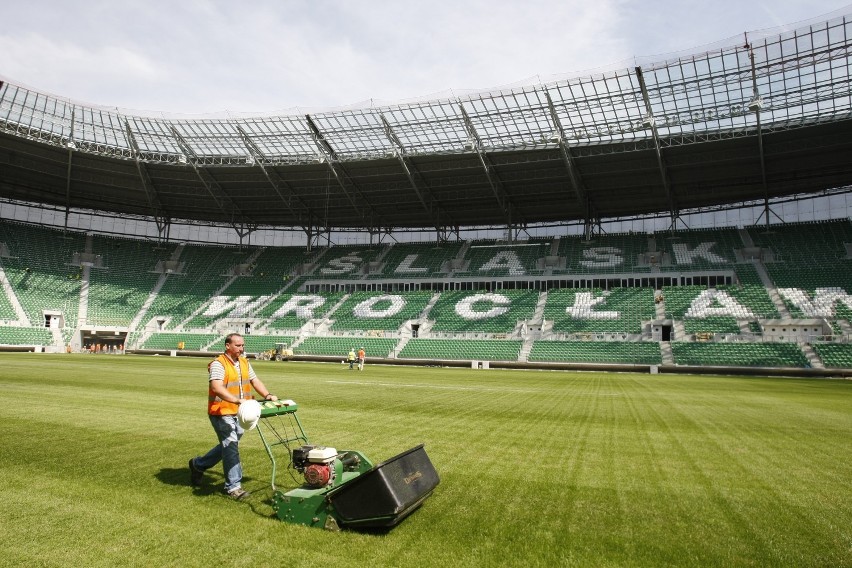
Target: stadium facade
[[548, 169]]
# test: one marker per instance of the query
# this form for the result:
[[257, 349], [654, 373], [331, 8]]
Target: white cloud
[[267, 55]]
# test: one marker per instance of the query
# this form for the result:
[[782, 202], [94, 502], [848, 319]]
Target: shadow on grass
[[179, 476], [259, 501], [211, 483]]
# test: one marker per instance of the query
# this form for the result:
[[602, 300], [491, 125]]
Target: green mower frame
[[358, 493]]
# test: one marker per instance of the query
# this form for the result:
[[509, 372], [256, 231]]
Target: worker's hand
[[271, 396]]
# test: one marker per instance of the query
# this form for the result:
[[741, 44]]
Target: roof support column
[[147, 184], [431, 207], [592, 227], [330, 157], [68, 187], [496, 186], [444, 234], [577, 185], [208, 185], [755, 104], [70, 144], [259, 158], [649, 121]]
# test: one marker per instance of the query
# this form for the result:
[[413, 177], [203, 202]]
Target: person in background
[[361, 357], [231, 378]]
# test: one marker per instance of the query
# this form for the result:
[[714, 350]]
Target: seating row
[[739, 354], [36, 336], [630, 352], [472, 349], [340, 346], [186, 341], [835, 355]]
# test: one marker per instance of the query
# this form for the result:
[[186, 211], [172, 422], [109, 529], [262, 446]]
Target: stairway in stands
[[813, 359], [771, 290], [666, 353]]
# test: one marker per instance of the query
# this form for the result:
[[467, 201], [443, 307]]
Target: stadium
[[568, 226], [546, 167]]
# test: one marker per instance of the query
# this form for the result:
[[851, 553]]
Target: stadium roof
[[768, 117]]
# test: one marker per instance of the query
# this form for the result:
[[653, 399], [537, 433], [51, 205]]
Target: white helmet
[[248, 414]]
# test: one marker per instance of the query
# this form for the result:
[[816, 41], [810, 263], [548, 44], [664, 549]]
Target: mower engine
[[316, 463]]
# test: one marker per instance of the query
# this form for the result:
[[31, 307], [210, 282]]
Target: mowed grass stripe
[[741, 456], [704, 471], [537, 468]]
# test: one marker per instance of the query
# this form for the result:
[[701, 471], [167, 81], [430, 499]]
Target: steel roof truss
[[755, 105], [190, 153], [329, 156], [147, 184], [432, 209], [259, 159], [475, 143], [649, 121], [567, 158]]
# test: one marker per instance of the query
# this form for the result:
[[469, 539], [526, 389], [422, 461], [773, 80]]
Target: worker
[[361, 356], [231, 378], [351, 358]]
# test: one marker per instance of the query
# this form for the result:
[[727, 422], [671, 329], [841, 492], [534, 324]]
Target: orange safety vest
[[240, 388]]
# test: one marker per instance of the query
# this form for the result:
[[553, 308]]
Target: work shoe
[[238, 494], [195, 475]]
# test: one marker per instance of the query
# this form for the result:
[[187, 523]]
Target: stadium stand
[[699, 248], [253, 285], [635, 352], [489, 258], [835, 355], [119, 288], [470, 349], [46, 270], [808, 255], [717, 309], [190, 341], [256, 343], [198, 293], [345, 262], [711, 324], [292, 311], [412, 260], [340, 346], [482, 312], [10, 335], [581, 310], [746, 354], [204, 271], [747, 274], [40, 270], [603, 254], [803, 244], [7, 311], [272, 269], [364, 311]]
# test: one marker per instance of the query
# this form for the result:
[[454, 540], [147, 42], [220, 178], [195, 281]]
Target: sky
[[192, 57]]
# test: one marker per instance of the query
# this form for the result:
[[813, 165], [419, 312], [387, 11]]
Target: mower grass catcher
[[342, 488]]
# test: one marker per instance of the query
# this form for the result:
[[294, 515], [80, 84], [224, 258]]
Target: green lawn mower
[[341, 488]]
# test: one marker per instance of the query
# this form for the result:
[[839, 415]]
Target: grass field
[[537, 468]]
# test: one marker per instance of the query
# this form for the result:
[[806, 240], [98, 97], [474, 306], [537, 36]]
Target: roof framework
[[768, 116]]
